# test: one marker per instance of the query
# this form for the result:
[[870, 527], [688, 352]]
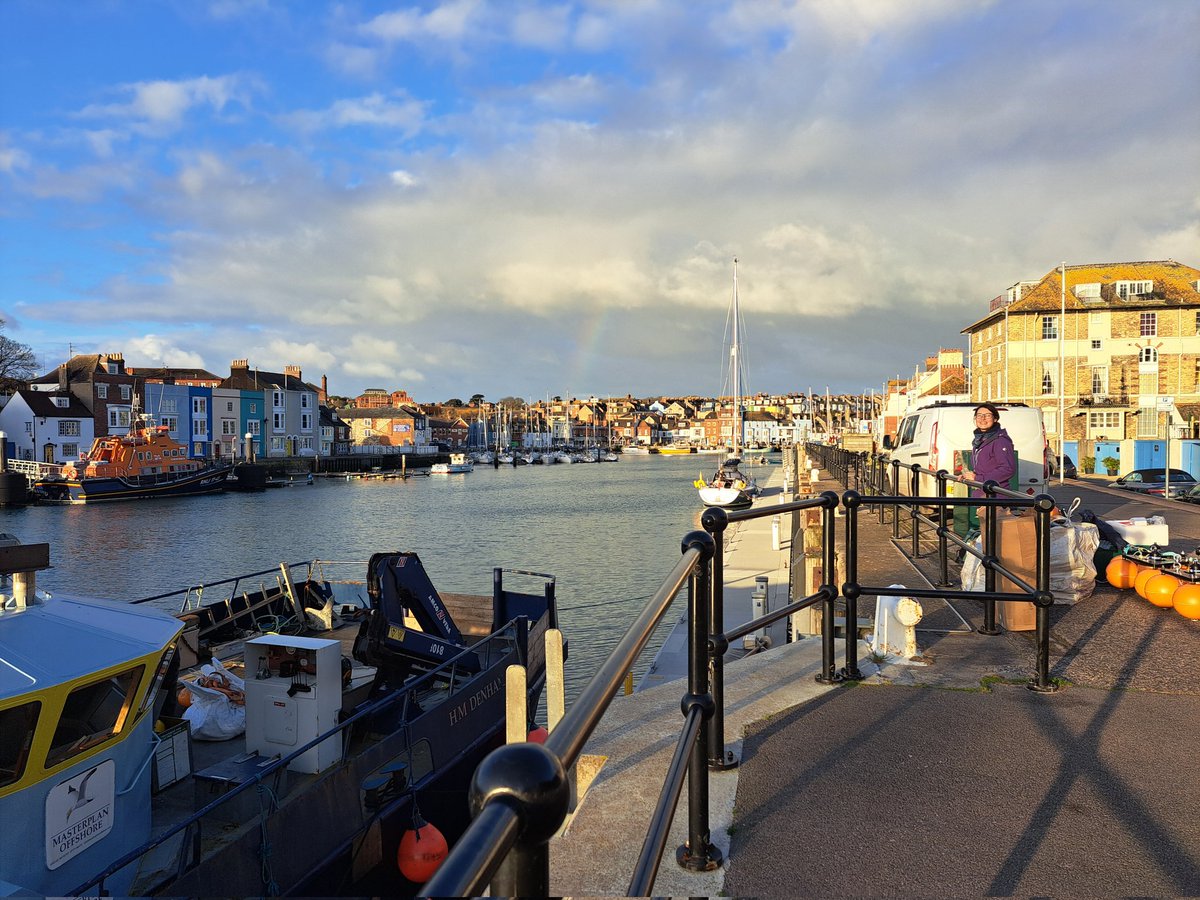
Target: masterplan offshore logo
[[79, 812]]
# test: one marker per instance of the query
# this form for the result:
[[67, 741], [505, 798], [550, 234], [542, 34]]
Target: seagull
[[83, 799]]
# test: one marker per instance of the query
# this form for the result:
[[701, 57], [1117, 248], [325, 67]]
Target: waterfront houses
[[287, 423], [47, 426], [1109, 352]]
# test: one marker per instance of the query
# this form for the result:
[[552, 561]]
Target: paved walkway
[[920, 781]]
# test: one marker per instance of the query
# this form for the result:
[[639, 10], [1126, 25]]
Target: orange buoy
[[421, 851], [1121, 572], [1139, 583], [1186, 601], [1161, 589], [183, 697], [537, 735]]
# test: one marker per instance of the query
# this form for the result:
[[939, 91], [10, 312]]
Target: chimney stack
[[293, 372]]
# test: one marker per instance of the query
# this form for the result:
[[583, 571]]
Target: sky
[[531, 199]]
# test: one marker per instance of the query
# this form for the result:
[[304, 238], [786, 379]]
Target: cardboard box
[[172, 755], [1016, 547]]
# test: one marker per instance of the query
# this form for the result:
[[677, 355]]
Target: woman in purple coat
[[992, 454]]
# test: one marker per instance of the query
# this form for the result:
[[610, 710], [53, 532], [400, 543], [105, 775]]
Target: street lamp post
[[1062, 385]]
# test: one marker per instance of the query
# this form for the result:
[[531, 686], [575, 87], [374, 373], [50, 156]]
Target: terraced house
[[1111, 354]]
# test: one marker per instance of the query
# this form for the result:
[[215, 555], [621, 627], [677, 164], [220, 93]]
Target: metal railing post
[[942, 516], [1045, 599], [828, 673], [529, 778], [990, 558], [715, 520], [896, 489], [914, 510], [852, 500], [699, 854]]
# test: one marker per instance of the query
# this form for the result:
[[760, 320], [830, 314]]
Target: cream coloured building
[[1112, 357]]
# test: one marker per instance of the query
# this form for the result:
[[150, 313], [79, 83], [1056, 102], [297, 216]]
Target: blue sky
[[533, 198]]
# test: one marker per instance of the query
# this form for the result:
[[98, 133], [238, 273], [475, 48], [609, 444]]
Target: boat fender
[[740, 485], [421, 851]]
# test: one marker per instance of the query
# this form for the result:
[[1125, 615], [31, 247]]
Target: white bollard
[[775, 533], [896, 618]]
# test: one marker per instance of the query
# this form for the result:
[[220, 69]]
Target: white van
[[931, 437]]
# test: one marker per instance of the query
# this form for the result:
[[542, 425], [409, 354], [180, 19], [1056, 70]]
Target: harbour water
[[609, 532]]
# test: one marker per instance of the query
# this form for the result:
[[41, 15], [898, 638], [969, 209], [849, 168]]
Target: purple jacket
[[994, 461]]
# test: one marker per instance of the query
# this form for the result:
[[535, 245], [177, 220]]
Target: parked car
[[1192, 496], [1068, 466], [1150, 481]]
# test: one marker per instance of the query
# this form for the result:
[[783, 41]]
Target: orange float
[[421, 851], [1121, 572], [1139, 583], [1186, 601], [1161, 589]]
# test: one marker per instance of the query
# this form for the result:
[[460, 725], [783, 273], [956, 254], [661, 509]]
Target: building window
[[276, 445], [306, 401], [126, 392], [1096, 344], [70, 451], [1147, 424], [1106, 423], [200, 427], [277, 399], [199, 406], [277, 422], [171, 423], [253, 408], [118, 417], [229, 406], [228, 427], [1198, 323], [1049, 328], [1148, 355], [1048, 369], [1100, 381], [68, 428], [252, 427], [1149, 324], [102, 391], [306, 421], [1127, 289]]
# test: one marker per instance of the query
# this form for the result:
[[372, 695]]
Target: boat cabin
[[78, 684], [149, 450]]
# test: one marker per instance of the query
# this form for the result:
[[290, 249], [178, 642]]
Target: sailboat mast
[[735, 364]]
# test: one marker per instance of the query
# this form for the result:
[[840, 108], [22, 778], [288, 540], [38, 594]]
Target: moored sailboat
[[729, 487]]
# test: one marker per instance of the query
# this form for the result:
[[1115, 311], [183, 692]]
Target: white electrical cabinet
[[293, 694]]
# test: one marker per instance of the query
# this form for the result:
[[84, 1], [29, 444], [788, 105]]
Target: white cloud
[[162, 105], [449, 22], [399, 113], [154, 351], [12, 158], [403, 179]]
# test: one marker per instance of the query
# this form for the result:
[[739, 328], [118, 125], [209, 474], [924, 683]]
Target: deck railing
[[520, 793]]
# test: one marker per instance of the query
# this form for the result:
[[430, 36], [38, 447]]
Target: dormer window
[[62, 402], [1087, 291], [1127, 289]]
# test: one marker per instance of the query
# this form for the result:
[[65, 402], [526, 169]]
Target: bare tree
[[17, 362]]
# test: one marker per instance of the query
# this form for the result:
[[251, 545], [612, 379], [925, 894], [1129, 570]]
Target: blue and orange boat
[[147, 462]]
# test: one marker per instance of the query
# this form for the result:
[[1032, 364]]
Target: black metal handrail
[[995, 498], [520, 793]]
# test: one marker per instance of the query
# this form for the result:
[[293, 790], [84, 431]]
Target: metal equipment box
[[293, 695]]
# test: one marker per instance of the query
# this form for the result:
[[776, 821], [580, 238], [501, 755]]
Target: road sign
[[1165, 404]]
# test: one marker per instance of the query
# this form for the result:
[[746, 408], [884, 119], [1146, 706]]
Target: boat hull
[[728, 498], [95, 490]]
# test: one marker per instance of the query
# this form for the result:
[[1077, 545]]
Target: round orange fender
[[421, 852]]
